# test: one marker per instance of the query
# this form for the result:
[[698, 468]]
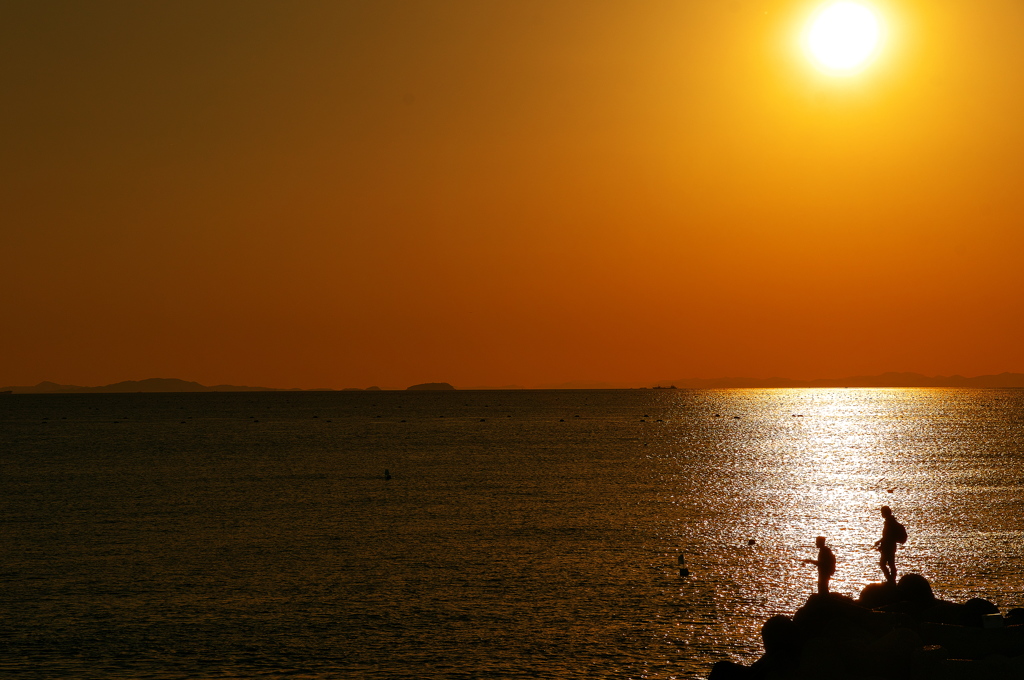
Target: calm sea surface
[[522, 534]]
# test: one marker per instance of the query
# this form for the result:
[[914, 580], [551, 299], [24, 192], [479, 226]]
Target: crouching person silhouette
[[826, 564]]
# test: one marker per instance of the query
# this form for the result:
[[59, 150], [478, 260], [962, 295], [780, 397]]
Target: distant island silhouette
[[431, 386], [148, 385], [883, 380]]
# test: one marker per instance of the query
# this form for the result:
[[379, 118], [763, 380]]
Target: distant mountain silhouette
[[883, 380]]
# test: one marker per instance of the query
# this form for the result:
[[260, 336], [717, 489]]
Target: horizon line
[[889, 379]]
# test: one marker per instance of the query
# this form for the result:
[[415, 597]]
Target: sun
[[843, 37]]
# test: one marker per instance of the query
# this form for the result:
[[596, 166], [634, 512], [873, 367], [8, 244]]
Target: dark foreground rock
[[891, 632]]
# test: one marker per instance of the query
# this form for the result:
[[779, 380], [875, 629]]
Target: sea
[[478, 534]]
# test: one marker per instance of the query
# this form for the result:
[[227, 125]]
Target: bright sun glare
[[843, 36]]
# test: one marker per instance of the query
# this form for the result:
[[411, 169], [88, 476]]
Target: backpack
[[899, 532]]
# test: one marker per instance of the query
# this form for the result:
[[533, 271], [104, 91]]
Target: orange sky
[[341, 193]]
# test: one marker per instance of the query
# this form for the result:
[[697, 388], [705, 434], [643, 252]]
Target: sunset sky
[[347, 193]]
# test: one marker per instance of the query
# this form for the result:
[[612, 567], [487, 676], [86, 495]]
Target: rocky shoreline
[[891, 632]]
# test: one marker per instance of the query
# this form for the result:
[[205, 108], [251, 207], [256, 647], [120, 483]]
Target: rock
[[832, 657], [878, 595], [993, 621], [978, 608], [782, 645], [915, 589], [962, 669], [830, 613], [949, 613], [728, 670], [895, 653], [908, 635], [929, 663], [781, 637], [971, 613], [881, 622], [995, 667], [1015, 616], [971, 642]]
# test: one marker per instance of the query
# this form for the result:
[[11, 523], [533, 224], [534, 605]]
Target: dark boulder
[[878, 595], [915, 589], [978, 608], [894, 631], [781, 637], [880, 622], [1015, 616], [729, 670], [830, 613], [970, 642], [832, 657], [782, 645], [895, 654], [950, 613], [930, 663], [971, 613]]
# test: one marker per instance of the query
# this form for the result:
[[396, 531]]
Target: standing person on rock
[[893, 533], [826, 564]]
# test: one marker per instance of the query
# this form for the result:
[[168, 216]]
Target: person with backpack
[[826, 564], [893, 534]]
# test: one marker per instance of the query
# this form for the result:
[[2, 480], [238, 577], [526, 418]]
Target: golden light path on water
[[781, 467]]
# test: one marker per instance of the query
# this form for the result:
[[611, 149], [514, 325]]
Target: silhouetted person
[[826, 564], [387, 474], [893, 533]]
